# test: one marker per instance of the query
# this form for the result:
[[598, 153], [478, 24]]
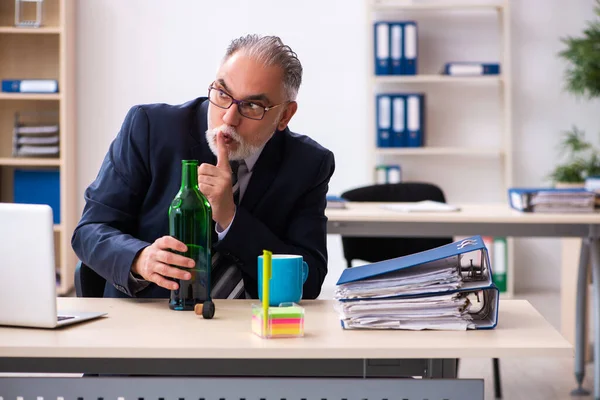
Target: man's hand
[[154, 263], [215, 183]]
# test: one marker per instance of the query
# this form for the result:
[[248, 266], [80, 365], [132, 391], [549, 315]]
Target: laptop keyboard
[[64, 317]]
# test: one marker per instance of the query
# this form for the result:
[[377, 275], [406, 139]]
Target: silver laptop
[[27, 270]]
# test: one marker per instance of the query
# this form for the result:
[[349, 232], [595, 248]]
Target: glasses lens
[[251, 110], [219, 98]]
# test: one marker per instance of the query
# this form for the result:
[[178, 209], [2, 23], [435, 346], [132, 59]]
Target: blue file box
[[38, 187]]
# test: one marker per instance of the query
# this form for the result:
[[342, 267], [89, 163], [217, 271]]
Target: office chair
[[87, 282], [374, 249]]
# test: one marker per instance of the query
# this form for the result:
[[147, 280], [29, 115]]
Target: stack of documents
[[449, 288], [335, 202], [421, 206], [36, 141], [552, 200]]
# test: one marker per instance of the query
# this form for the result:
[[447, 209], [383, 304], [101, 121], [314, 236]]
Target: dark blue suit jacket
[[283, 208]]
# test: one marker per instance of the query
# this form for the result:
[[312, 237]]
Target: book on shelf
[[30, 85], [400, 119], [471, 69], [388, 174], [395, 47]]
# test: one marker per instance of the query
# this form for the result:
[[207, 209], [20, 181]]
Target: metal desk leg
[[581, 318], [442, 368], [595, 250]]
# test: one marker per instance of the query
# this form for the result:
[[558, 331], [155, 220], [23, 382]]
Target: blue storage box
[[38, 187]]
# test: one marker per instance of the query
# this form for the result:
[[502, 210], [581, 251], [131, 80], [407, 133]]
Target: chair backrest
[[374, 249], [87, 282]]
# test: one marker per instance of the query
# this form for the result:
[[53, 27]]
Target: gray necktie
[[227, 282], [235, 182]]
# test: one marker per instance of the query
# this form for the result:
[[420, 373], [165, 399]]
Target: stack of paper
[[448, 312], [552, 201], [284, 321], [335, 202], [546, 200], [437, 276], [449, 288], [40, 140], [421, 206]]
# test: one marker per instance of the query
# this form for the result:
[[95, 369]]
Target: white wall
[[143, 51]]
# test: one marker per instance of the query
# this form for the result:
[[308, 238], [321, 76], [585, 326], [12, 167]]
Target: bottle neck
[[189, 174]]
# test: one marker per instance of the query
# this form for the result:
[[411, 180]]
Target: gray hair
[[270, 50]]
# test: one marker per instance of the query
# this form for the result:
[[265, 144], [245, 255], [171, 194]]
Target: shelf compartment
[[50, 14], [7, 119], [29, 57]]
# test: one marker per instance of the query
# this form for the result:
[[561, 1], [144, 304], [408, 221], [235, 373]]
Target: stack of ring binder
[[446, 288]]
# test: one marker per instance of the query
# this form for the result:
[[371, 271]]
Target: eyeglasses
[[246, 108]]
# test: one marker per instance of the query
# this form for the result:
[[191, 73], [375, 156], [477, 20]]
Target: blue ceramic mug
[[288, 274]]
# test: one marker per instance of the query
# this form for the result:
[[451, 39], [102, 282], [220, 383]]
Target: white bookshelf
[[445, 153], [47, 52]]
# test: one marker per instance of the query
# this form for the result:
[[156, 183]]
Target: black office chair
[[87, 282], [374, 249]]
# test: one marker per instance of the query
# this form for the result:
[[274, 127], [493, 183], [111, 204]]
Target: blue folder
[[397, 47], [381, 36], [30, 85], [471, 68], [410, 49], [399, 131], [471, 257], [415, 120], [384, 120]]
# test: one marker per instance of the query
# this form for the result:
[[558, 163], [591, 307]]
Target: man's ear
[[288, 113]]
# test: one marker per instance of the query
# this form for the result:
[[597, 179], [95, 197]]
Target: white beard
[[244, 149]]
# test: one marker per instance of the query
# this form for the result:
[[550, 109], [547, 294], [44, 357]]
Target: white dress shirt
[[244, 175]]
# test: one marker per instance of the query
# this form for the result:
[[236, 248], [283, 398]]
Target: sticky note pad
[[286, 321]]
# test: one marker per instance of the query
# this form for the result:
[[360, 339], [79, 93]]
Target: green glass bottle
[[190, 217]]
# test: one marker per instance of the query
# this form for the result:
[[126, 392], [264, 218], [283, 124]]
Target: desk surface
[[469, 213], [148, 329]]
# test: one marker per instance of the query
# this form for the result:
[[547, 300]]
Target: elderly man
[[278, 203]]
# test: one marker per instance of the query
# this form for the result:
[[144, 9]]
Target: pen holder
[[284, 321]]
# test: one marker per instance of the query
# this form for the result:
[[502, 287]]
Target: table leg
[[442, 368], [581, 318], [595, 250]]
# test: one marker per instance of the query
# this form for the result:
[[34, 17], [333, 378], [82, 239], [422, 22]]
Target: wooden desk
[[145, 337], [369, 219], [148, 329]]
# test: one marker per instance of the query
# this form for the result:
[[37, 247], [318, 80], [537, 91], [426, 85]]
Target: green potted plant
[[582, 78], [581, 160]]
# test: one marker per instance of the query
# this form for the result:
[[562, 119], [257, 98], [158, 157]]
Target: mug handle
[[304, 271]]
